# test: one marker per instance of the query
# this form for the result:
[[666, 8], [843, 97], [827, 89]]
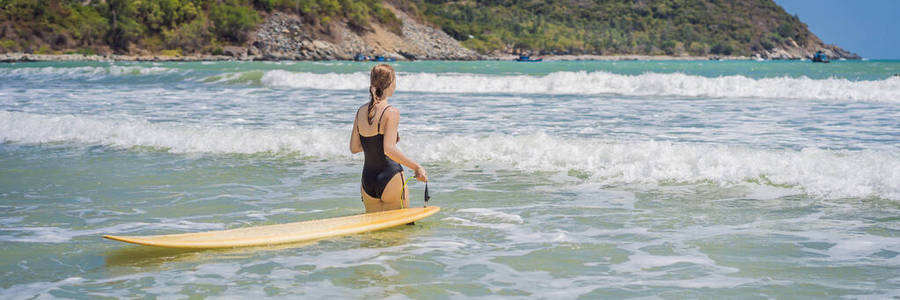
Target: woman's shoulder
[[387, 110], [391, 108], [391, 111]]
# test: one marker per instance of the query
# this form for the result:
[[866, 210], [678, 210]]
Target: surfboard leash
[[427, 197]]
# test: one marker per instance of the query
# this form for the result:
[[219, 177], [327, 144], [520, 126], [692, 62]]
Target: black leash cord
[[427, 197]]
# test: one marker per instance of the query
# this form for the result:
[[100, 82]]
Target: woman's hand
[[421, 175]]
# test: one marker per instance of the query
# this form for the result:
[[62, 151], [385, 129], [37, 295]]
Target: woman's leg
[[372, 204], [395, 196]]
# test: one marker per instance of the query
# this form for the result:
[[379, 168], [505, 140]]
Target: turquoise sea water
[[659, 179]]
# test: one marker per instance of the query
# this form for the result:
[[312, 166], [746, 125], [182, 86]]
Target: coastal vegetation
[[170, 26], [493, 27], [658, 27]]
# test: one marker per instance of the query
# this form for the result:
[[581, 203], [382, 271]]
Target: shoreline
[[24, 57], [620, 57]]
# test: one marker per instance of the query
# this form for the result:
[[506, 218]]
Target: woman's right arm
[[355, 144], [390, 145]]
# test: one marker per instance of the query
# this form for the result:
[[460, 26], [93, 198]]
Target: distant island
[[402, 29]]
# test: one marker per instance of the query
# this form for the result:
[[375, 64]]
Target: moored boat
[[820, 57], [527, 58], [363, 57]]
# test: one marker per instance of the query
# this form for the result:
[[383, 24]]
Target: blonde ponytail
[[381, 77]]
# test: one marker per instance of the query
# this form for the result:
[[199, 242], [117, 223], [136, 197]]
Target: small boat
[[361, 57], [820, 57], [527, 58], [382, 58]]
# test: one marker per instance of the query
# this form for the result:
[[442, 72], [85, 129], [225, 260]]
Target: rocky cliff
[[284, 36], [792, 50]]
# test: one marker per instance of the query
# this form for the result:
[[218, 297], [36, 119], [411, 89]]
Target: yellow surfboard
[[283, 233]]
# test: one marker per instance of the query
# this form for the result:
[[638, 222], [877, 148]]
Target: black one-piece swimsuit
[[378, 169]]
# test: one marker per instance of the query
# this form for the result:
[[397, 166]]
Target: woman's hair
[[381, 78]]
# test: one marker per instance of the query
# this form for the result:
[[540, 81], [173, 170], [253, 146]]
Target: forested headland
[[662, 27], [490, 27]]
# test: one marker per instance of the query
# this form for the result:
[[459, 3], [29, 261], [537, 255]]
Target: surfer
[[375, 134]]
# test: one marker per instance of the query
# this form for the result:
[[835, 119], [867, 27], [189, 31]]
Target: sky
[[870, 28]]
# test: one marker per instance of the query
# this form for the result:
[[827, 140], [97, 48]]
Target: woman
[[375, 133]]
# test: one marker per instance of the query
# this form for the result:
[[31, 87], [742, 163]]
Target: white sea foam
[[832, 174], [579, 83], [38, 290], [820, 172], [640, 262], [493, 215], [50, 234], [85, 72], [33, 128]]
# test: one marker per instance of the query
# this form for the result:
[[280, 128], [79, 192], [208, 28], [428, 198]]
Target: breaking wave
[[648, 84], [819, 172], [569, 83]]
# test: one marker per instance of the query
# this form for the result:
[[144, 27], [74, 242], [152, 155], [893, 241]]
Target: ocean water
[[656, 179]]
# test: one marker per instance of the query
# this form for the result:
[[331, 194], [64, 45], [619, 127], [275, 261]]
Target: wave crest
[[85, 72], [586, 83], [36, 129], [819, 172], [556, 83]]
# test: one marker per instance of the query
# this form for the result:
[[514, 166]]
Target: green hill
[[647, 27], [653, 27]]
